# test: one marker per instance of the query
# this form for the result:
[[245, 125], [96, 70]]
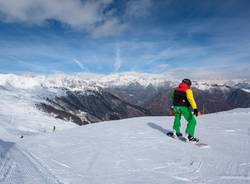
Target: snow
[[87, 80], [127, 78], [131, 151], [127, 151], [19, 115], [23, 82], [246, 90]]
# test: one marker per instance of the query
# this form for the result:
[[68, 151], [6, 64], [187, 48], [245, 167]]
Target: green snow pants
[[188, 115]]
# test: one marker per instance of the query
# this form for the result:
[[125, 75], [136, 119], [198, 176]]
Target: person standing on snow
[[182, 100]]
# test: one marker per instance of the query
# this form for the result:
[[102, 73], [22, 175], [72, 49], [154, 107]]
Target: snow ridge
[[92, 81]]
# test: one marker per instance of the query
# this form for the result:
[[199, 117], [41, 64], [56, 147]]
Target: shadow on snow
[[159, 128], [5, 147]]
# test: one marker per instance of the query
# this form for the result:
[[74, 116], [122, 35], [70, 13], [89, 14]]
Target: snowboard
[[199, 144]]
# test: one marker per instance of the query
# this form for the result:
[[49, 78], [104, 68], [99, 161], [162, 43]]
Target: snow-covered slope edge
[[136, 151], [19, 115]]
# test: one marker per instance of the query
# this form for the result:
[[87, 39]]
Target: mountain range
[[89, 98]]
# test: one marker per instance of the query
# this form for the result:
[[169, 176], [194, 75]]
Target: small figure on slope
[[183, 99]]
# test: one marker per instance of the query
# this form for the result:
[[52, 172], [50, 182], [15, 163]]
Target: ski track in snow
[[20, 167], [133, 151], [60, 163]]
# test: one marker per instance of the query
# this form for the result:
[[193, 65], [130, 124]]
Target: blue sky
[[196, 39]]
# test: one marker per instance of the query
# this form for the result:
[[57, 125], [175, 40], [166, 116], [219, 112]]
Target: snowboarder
[[182, 100], [54, 128]]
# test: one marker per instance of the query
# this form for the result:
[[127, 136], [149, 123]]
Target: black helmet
[[187, 81]]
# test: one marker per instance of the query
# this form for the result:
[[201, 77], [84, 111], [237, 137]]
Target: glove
[[196, 112]]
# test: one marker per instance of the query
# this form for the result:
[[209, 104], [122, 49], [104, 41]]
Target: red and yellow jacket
[[183, 96]]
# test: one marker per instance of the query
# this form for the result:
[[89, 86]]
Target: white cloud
[[88, 15], [138, 8], [210, 73], [80, 65], [109, 28], [118, 59]]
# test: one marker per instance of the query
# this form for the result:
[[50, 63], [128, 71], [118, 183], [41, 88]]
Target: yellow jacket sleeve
[[190, 98]]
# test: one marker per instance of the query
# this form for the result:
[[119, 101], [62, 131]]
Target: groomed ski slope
[[132, 151]]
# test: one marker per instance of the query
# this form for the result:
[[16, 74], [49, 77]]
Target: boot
[[179, 134], [192, 139]]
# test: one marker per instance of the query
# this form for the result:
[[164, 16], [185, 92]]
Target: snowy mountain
[[215, 99], [78, 82], [155, 94], [19, 115], [88, 98], [90, 106], [131, 151]]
